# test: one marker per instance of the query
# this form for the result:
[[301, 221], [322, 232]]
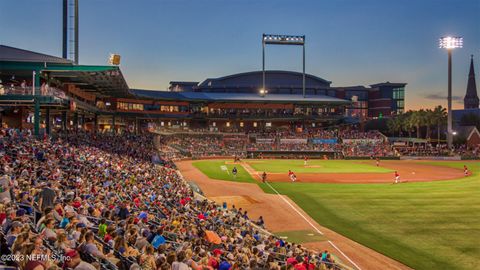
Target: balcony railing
[[30, 91], [268, 115]]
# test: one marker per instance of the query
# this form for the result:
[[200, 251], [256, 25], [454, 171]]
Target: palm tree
[[395, 124], [408, 122], [429, 122], [423, 122], [414, 120], [439, 114]]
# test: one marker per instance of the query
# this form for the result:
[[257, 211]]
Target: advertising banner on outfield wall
[[324, 141], [261, 140], [362, 141], [430, 158], [293, 141]]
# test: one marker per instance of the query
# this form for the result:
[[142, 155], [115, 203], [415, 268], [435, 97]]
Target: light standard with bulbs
[[450, 43]]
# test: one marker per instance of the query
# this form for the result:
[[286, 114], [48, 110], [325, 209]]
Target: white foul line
[[331, 243], [298, 212], [313, 226]]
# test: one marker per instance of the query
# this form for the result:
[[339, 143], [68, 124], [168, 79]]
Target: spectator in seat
[[74, 261], [180, 264], [91, 247], [147, 260], [14, 231], [49, 231]]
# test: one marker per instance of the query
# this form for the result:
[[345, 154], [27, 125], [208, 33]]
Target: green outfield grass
[[425, 225], [314, 166], [213, 169]]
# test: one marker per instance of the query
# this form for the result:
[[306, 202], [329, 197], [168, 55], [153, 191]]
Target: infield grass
[[222, 170], [314, 166], [425, 225]]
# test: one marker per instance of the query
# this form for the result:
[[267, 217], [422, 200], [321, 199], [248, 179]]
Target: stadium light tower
[[450, 43], [281, 40]]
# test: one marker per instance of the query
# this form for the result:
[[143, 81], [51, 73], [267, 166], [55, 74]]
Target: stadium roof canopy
[[238, 97], [100, 80], [388, 84], [12, 54], [273, 78]]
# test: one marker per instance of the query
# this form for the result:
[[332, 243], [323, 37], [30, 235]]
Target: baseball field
[[425, 222]]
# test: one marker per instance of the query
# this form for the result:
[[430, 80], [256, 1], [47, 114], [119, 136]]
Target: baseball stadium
[[266, 169]]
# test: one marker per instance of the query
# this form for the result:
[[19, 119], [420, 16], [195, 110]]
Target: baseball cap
[[71, 254], [16, 224], [217, 252], [20, 212]]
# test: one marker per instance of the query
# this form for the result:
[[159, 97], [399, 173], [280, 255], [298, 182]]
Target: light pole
[[450, 43], [268, 39]]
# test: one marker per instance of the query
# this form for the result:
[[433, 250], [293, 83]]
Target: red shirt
[[396, 174], [213, 262], [300, 266]]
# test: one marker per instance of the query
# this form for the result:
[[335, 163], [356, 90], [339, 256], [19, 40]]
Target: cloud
[[438, 96]]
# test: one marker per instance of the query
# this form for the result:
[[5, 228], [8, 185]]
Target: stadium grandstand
[[78, 148], [71, 132]]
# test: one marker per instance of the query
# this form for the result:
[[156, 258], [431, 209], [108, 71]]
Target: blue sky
[[350, 42]]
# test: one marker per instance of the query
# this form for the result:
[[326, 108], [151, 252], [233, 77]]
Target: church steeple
[[471, 98]]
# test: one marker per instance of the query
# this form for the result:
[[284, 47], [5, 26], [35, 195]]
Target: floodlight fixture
[[263, 92], [450, 42], [283, 39]]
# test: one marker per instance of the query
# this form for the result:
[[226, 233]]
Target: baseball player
[[264, 177], [377, 161], [292, 176], [397, 177], [305, 161], [234, 172], [465, 170]]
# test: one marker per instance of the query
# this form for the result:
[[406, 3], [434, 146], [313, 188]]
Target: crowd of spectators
[[368, 149], [350, 143], [427, 149], [347, 142], [206, 145], [93, 201]]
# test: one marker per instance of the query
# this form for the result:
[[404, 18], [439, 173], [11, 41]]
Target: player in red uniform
[[465, 170], [305, 160], [377, 161], [397, 177], [292, 176]]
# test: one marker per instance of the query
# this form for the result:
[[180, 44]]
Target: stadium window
[[241, 124], [313, 124], [268, 124], [228, 124], [169, 123], [214, 124], [162, 124], [254, 124]]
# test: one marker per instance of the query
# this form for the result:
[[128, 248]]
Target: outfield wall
[[452, 158], [293, 154]]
